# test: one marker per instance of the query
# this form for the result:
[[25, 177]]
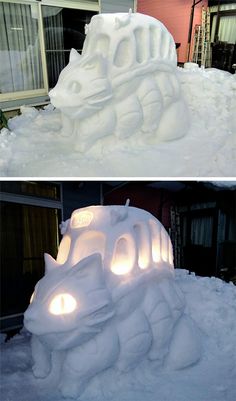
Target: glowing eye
[[32, 298], [62, 304]]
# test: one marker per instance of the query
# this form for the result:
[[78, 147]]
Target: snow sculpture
[[109, 300], [124, 82]]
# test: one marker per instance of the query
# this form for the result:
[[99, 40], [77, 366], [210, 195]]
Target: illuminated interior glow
[[143, 262], [81, 219], [62, 304], [156, 241], [164, 245], [64, 249], [124, 256], [142, 238], [88, 243], [120, 267], [171, 259], [32, 298]]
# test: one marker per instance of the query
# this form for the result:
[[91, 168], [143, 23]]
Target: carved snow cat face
[[125, 79], [106, 254]]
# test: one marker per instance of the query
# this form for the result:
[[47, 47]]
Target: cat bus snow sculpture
[[109, 300], [124, 82]]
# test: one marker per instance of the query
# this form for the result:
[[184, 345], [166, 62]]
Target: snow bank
[[212, 305]]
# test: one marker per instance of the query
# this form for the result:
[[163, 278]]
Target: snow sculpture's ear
[[88, 268], [96, 62], [123, 21], [74, 56], [50, 263], [118, 214]]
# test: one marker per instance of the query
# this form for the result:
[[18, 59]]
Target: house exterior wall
[[175, 15], [111, 6]]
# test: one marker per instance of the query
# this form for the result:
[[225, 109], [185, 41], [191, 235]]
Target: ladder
[[202, 47]]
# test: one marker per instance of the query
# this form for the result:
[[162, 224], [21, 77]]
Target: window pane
[[63, 29], [26, 233], [20, 66], [39, 189]]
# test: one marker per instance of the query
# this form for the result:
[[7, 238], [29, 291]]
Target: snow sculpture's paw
[[40, 371], [71, 389]]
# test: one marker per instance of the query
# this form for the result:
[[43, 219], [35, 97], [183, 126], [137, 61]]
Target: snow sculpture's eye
[[81, 219], [62, 304], [32, 298], [75, 87]]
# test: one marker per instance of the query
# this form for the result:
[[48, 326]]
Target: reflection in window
[[21, 64], [63, 29]]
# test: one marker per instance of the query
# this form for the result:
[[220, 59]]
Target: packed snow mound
[[210, 302], [34, 145]]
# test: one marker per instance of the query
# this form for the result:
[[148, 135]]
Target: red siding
[[156, 201], [175, 15]]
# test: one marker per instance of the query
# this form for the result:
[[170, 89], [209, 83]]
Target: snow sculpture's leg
[[96, 126], [161, 321], [83, 363], [67, 125], [174, 297], [41, 358], [150, 98], [135, 340], [174, 122], [129, 117], [185, 346]]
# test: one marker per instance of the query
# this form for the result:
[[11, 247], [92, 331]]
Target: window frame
[[14, 321], [8, 99]]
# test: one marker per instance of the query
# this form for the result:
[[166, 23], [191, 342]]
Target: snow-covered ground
[[36, 146], [210, 302]]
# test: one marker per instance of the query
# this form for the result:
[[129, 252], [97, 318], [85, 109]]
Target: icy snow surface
[[34, 146], [212, 305]]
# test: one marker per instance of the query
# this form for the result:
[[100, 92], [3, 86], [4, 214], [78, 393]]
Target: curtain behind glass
[[26, 232], [54, 42], [20, 60], [201, 231], [227, 29]]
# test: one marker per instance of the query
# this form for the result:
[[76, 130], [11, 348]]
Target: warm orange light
[[143, 262], [124, 255], [64, 249], [171, 259], [164, 245], [62, 304], [121, 266], [156, 241], [81, 219]]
